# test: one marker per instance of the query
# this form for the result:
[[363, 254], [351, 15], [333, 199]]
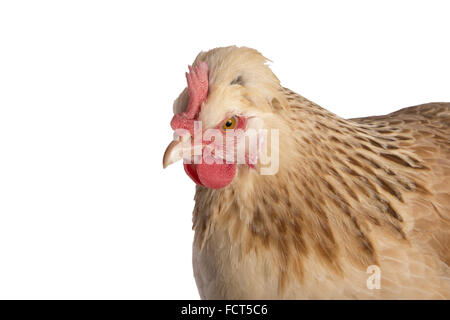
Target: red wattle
[[192, 172], [214, 176]]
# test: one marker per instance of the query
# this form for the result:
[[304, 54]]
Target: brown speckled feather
[[425, 131], [349, 194]]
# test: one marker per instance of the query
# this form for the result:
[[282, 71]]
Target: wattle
[[214, 176]]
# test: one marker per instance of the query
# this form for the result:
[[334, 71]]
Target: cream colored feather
[[349, 194]]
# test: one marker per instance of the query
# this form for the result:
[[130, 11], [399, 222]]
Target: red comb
[[197, 80]]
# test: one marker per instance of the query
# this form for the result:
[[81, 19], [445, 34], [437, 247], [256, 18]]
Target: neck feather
[[338, 181]]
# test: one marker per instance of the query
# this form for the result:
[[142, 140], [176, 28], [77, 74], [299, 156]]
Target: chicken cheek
[[214, 176]]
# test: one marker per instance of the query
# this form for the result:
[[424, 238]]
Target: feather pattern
[[349, 194]]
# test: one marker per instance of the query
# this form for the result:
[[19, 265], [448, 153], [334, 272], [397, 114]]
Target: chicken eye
[[229, 123]]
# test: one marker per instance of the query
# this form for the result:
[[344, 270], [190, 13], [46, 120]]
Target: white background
[[86, 92]]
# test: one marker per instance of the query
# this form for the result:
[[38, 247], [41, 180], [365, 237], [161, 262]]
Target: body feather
[[349, 194]]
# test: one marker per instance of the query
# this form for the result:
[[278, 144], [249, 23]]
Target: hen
[[353, 208]]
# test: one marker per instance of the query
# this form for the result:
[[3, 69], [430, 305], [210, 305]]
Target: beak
[[173, 153], [178, 149]]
